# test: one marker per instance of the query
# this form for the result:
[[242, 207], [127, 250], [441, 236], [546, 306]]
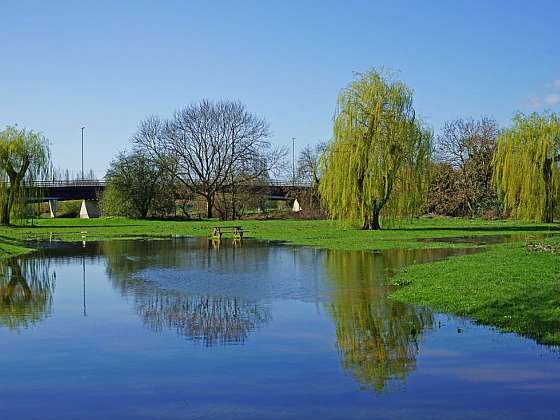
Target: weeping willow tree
[[526, 171], [377, 163], [24, 158]]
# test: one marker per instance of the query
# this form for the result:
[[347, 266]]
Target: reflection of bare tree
[[26, 289], [377, 338], [209, 318]]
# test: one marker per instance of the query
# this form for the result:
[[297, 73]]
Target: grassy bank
[[507, 285], [317, 233], [8, 249], [513, 286]]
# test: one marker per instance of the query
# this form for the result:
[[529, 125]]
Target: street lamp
[[293, 161], [83, 153]]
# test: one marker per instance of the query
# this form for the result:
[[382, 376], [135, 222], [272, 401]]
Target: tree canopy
[[461, 183], [377, 163], [137, 186], [24, 158], [526, 172], [210, 146]]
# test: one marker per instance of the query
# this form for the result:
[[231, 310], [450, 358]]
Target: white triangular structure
[[89, 209], [53, 204], [296, 207]]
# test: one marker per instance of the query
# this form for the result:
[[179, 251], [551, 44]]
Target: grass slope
[[507, 286], [317, 233]]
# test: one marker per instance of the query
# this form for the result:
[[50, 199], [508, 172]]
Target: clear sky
[[108, 64]]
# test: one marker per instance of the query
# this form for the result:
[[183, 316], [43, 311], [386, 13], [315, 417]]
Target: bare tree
[[307, 173], [468, 146], [245, 193], [308, 163], [207, 144]]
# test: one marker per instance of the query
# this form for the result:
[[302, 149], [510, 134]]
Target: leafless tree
[[307, 173], [208, 144], [467, 145], [308, 163]]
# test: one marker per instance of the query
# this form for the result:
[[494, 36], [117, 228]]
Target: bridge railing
[[103, 183], [288, 183], [70, 184]]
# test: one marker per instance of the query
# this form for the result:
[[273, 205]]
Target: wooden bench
[[236, 231]]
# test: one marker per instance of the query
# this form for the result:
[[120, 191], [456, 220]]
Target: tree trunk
[[375, 219], [365, 226], [209, 206], [5, 214], [233, 206], [548, 215], [7, 207], [371, 221]]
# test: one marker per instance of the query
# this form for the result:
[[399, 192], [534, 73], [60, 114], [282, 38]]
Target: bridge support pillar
[[89, 210], [53, 205]]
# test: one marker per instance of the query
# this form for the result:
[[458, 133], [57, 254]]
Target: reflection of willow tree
[[377, 338], [208, 318], [26, 289]]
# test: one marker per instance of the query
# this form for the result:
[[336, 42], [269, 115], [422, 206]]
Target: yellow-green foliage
[[24, 158], [26, 289], [526, 173], [378, 159], [377, 338]]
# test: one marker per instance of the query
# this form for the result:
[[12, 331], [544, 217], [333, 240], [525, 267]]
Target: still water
[[184, 329]]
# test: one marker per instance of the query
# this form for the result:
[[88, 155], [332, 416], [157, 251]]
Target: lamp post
[[83, 153], [293, 161]]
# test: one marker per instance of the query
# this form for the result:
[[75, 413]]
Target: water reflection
[[209, 318], [377, 338], [221, 294], [26, 290], [329, 309]]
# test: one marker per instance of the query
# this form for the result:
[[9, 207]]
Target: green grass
[[8, 249], [506, 286], [316, 233]]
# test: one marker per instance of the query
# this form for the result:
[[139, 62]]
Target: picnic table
[[236, 231]]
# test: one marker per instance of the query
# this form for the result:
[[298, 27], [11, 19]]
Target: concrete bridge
[[90, 191]]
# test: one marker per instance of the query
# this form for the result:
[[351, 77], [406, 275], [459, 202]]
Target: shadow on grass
[[58, 227], [10, 241], [482, 228]]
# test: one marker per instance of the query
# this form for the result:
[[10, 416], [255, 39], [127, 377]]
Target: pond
[[188, 328]]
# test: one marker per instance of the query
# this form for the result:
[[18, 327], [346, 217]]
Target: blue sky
[[109, 64]]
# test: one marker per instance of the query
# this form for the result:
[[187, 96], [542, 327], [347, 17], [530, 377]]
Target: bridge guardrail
[[79, 183], [103, 183]]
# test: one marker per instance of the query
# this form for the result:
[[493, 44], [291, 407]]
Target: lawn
[[506, 285], [316, 233], [514, 287]]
